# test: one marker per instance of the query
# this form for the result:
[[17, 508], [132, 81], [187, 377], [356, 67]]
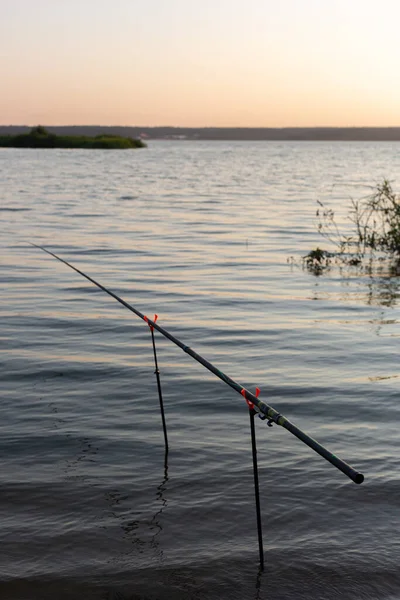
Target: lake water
[[199, 233]]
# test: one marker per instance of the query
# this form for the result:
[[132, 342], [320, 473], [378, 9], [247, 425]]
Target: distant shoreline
[[342, 134], [41, 137]]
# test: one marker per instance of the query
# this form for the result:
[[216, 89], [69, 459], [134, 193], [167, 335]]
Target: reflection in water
[[377, 283], [155, 523], [258, 585], [141, 535], [383, 291], [378, 378]]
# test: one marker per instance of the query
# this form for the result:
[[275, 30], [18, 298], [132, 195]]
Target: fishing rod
[[266, 412]]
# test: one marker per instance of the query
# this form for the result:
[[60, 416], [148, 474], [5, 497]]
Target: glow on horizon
[[260, 63]]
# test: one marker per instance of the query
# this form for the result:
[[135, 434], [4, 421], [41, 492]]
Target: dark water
[[199, 234]]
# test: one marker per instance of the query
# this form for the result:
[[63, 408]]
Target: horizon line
[[208, 126]]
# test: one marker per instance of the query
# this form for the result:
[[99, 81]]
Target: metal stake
[[252, 412], [157, 374]]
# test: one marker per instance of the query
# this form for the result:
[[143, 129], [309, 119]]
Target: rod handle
[[340, 464]]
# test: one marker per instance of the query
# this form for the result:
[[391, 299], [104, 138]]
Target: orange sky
[[191, 63]]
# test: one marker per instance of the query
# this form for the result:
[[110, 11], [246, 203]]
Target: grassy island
[[39, 137]]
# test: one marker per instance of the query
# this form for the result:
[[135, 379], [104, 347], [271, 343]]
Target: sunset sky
[[257, 63]]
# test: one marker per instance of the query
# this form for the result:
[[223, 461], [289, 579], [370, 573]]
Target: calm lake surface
[[199, 233]]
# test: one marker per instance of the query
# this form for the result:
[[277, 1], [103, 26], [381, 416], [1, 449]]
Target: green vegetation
[[39, 137], [375, 221]]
